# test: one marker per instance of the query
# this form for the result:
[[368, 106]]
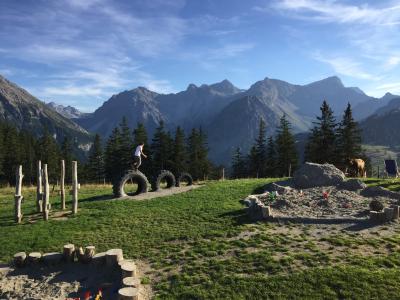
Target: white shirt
[[138, 150]]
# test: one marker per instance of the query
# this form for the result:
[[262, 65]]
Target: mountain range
[[229, 115], [25, 111]]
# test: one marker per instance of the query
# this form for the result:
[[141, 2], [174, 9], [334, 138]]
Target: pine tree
[[161, 148], [252, 161], [48, 152], [12, 153], [126, 148], [348, 138], [180, 156], [95, 166], [199, 165], [68, 157], [321, 145], [238, 164], [261, 147], [287, 158], [140, 136], [111, 157], [271, 158]]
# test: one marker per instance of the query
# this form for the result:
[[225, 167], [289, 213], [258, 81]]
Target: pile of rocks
[[321, 191], [110, 262]]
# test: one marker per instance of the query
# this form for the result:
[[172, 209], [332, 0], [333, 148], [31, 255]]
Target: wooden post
[[75, 187], [46, 194], [378, 171], [128, 293], [39, 191], [62, 186], [290, 170], [223, 174], [19, 259], [18, 195], [69, 252]]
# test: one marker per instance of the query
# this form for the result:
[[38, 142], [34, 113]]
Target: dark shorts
[[137, 161]]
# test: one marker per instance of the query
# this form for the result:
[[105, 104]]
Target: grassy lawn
[[201, 245]]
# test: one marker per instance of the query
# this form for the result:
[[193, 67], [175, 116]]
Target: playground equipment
[[184, 176]]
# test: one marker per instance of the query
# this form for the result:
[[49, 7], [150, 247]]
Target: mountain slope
[[382, 128], [25, 111], [69, 112], [368, 108]]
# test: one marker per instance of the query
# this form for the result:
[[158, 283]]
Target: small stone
[[131, 282], [19, 259]]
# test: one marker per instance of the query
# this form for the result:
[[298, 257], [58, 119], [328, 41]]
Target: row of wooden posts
[[43, 190]]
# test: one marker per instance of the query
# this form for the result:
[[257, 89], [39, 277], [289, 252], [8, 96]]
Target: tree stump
[[266, 212], [128, 269], [19, 259], [75, 187], [46, 194], [396, 212], [374, 216], [113, 257], [39, 191], [131, 282], [388, 214], [34, 257], [99, 258], [62, 186], [52, 258], [128, 293], [124, 261], [89, 253], [69, 252]]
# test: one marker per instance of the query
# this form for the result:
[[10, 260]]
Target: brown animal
[[357, 167]]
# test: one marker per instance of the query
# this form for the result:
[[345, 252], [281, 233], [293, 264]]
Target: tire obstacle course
[[143, 183]]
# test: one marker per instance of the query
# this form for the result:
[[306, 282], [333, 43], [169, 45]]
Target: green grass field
[[201, 245]]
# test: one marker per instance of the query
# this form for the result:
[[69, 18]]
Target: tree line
[[106, 161], [328, 141]]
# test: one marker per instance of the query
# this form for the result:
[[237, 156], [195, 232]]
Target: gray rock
[[274, 187], [352, 185], [378, 191], [313, 175]]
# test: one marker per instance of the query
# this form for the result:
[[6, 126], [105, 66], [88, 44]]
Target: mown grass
[[201, 245]]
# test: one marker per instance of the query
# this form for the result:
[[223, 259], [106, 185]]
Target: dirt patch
[[162, 192], [65, 281]]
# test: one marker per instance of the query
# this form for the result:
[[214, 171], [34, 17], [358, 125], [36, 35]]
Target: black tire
[[184, 177], [136, 176], [164, 175]]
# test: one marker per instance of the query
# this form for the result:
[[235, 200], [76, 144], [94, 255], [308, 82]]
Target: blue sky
[[80, 52]]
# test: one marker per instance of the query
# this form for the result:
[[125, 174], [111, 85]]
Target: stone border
[[129, 282]]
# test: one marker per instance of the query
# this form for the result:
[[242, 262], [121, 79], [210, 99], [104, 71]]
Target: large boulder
[[352, 184], [312, 175]]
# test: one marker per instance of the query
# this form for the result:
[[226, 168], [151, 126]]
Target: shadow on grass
[[98, 198], [354, 224], [239, 217]]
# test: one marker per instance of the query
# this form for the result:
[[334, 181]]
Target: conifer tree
[[238, 164], [48, 152], [161, 149], [12, 153], [348, 137], [199, 166], [126, 148], [95, 165], [287, 158], [111, 158], [261, 148], [180, 156], [321, 145], [271, 158], [252, 159], [67, 156]]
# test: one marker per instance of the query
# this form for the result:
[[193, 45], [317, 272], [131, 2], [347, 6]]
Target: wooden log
[[128, 293], [374, 216], [34, 257], [79, 254], [99, 258], [396, 212], [19, 259], [74, 187], [39, 191], [113, 256], [266, 212], [69, 252], [52, 258], [18, 195], [381, 217], [128, 269], [388, 214], [131, 282], [62, 185], [124, 261], [89, 253], [46, 194]]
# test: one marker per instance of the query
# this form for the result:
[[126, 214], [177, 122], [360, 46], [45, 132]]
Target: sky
[[81, 52]]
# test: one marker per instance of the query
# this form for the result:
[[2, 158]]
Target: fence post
[[62, 186], [39, 190], [223, 173], [46, 194], [18, 194], [75, 187]]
